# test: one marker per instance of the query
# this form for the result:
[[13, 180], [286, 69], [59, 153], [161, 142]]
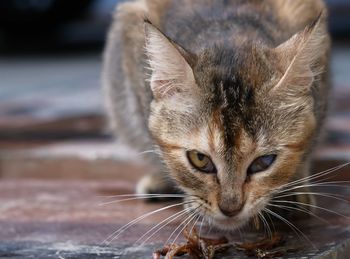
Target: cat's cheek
[[286, 170], [281, 174], [262, 186]]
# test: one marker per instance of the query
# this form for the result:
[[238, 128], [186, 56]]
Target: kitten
[[234, 102]]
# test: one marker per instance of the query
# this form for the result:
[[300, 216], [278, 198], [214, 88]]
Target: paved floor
[[71, 219]]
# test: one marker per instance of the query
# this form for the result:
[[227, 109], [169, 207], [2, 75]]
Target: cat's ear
[[300, 57], [171, 65]]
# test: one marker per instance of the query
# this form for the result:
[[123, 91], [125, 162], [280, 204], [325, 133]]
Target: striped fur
[[233, 79]]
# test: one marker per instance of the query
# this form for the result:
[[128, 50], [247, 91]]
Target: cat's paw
[[155, 184]]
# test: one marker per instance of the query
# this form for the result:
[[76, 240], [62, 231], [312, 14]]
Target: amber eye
[[260, 164], [201, 162]]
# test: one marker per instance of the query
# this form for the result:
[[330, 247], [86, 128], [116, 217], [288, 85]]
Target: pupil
[[200, 156]]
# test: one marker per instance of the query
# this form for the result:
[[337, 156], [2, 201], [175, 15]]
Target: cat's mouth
[[230, 223], [226, 223]]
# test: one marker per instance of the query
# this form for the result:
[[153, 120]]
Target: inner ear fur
[[300, 57], [170, 64]]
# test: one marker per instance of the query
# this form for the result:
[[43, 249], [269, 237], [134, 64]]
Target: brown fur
[[233, 79]]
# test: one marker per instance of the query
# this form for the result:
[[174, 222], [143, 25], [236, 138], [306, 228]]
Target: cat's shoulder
[[296, 13], [132, 12]]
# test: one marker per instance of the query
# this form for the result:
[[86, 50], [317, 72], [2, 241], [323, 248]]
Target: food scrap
[[265, 248], [264, 244], [199, 247], [196, 247]]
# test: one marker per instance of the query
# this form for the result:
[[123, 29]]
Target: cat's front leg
[[302, 194], [304, 202], [156, 183]]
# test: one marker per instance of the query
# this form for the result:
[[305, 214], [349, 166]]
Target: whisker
[[334, 182], [188, 218], [199, 216], [143, 197], [210, 226], [313, 206], [328, 195], [316, 176], [291, 225], [195, 219], [266, 225], [119, 231], [331, 170], [290, 208], [323, 179], [201, 225], [321, 184], [161, 225], [273, 225], [184, 223], [149, 152]]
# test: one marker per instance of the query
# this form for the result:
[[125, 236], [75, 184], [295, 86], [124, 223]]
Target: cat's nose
[[229, 212], [230, 204]]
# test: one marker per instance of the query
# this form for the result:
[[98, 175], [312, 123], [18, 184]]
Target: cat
[[231, 95]]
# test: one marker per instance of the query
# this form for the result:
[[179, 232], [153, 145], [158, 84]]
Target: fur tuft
[[301, 57]]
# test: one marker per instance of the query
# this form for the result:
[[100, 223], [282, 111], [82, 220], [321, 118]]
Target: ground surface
[[65, 219]]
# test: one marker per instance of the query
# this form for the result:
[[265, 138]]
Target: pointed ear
[[170, 64], [301, 56]]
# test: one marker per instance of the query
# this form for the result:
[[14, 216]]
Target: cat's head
[[233, 122]]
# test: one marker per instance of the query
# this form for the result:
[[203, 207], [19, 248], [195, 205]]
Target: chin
[[229, 224]]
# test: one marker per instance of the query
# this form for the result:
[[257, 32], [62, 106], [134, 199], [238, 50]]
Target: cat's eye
[[261, 164], [201, 162]]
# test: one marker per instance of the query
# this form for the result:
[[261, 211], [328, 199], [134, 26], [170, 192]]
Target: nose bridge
[[231, 181], [230, 199], [231, 192]]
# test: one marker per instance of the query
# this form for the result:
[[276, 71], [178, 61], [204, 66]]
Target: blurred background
[[50, 96]]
